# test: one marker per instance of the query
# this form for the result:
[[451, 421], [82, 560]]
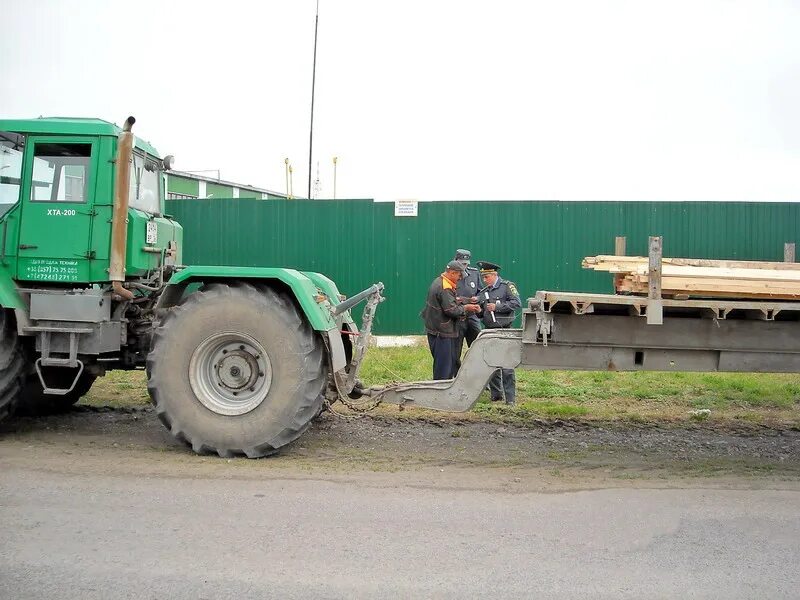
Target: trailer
[[614, 332]]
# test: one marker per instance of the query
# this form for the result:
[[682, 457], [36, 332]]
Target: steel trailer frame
[[597, 332]]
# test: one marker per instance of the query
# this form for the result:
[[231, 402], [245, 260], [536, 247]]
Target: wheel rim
[[230, 373]]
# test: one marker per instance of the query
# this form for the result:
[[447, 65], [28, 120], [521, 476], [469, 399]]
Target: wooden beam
[[723, 285], [722, 273], [598, 263], [619, 250]]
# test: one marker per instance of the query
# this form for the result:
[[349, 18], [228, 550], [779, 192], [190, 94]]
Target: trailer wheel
[[235, 370], [12, 365], [34, 401]]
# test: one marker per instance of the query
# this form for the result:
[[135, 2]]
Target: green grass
[[393, 365], [119, 388], [627, 397]]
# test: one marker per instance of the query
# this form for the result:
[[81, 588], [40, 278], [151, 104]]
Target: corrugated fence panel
[[539, 244]]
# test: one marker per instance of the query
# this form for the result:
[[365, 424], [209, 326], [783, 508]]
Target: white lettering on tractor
[[52, 270], [57, 212]]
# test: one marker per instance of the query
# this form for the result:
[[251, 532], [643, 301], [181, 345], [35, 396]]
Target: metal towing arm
[[599, 332]]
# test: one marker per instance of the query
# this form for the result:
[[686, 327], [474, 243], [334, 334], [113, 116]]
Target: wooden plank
[[723, 273], [703, 277], [624, 267], [719, 282], [726, 295], [726, 289], [598, 262], [712, 287], [744, 296], [626, 285], [619, 250]]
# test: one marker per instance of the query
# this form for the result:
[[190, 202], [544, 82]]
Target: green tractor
[[239, 360]]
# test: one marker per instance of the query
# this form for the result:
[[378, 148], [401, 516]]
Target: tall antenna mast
[[313, 83]]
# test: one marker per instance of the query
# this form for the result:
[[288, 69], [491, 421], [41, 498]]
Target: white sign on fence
[[405, 208]]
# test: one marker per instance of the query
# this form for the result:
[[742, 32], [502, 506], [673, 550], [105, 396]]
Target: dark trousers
[[468, 329], [442, 349], [503, 385]]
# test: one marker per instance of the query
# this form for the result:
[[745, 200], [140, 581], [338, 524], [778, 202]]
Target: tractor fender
[[313, 295]]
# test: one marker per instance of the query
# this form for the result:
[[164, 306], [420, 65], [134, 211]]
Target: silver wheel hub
[[230, 373]]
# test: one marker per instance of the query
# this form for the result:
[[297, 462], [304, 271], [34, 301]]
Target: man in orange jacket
[[442, 315]]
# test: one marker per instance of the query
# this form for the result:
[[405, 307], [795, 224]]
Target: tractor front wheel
[[235, 370]]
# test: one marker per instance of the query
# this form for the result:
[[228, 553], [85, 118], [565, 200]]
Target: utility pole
[[313, 83], [335, 159]]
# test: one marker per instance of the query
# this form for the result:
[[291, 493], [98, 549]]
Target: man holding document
[[499, 302]]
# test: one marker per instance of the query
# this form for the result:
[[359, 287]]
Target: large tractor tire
[[34, 401], [235, 370], [12, 365]]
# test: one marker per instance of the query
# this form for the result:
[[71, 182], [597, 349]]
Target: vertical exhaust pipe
[[119, 218]]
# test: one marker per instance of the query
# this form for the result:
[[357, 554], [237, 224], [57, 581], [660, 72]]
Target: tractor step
[[59, 363]]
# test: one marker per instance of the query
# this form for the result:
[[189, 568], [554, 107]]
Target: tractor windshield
[[11, 147], [145, 192]]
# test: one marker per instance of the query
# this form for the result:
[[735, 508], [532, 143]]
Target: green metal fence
[[539, 244]]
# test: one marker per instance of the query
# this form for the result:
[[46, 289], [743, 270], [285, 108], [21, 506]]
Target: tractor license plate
[[152, 232]]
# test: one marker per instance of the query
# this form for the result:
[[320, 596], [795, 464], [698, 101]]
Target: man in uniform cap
[[441, 315], [466, 293], [499, 302]]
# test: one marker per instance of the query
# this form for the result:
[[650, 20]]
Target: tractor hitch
[[347, 378], [351, 302]]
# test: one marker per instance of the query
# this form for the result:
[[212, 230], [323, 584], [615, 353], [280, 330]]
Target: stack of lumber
[[703, 278]]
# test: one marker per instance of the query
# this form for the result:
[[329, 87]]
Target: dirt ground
[[548, 455], [101, 502]]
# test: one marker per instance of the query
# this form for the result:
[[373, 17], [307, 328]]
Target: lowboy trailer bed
[[597, 332]]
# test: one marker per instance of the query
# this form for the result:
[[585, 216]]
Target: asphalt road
[[125, 533]]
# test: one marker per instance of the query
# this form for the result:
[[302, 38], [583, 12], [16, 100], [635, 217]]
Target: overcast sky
[[434, 99]]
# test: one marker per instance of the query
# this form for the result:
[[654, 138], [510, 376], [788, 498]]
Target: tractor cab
[[57, 193]]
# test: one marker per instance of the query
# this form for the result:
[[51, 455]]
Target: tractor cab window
[[60, 172], [11, 147], [144, 191]]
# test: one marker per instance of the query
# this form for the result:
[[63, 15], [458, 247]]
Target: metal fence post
[[655, 309]]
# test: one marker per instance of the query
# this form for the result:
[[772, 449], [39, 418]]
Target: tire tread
[[13, 365]]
